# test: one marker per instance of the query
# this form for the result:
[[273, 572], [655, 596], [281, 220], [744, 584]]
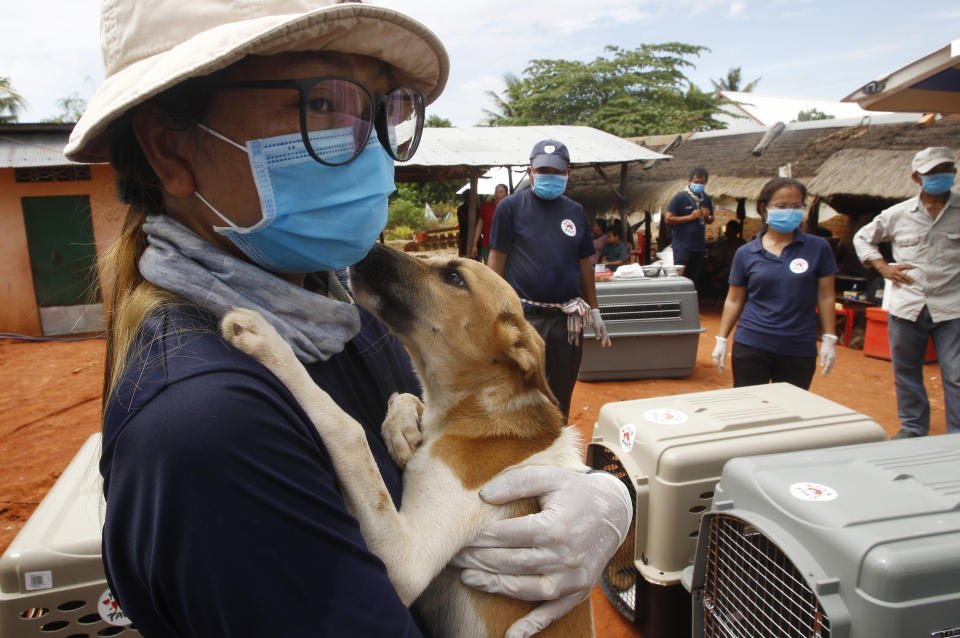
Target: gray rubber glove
[[555, 555], [599, 329], [720, 354], [828, 353]]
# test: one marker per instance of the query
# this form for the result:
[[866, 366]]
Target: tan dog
[[487, 407]]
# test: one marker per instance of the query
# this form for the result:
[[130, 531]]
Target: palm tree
[[11, 102], [503, 111], [732, 82]]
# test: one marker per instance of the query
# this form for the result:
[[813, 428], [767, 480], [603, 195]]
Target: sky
[[799, 48]]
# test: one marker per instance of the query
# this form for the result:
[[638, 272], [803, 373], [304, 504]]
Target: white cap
[[933, 156]]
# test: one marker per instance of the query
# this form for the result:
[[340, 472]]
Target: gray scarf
[[315, 326]]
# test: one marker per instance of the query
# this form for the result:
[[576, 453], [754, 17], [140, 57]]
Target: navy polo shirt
[[690, 236], [544, 240], [780, 312], [224, 514]]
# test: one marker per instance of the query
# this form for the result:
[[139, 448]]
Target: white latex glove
[[599, 329], [555, 555], [720, 354], [828, 353]]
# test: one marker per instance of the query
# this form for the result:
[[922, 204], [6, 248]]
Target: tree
[[813, 114], [11, 102], [732, 82], [407, 204], [503, 111], [642, 91], [71, 108], [435, 121]]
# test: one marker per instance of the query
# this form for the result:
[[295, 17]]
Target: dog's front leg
[[414, 547]]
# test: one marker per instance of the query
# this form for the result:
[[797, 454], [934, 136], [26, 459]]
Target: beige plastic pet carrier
[[670, 451], [51, 576]]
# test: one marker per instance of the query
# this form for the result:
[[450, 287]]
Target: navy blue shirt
[[545, 239], [224, 516], [780, 312], [689, 236]]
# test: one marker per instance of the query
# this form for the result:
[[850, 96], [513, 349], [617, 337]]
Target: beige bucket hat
[[149, 46]]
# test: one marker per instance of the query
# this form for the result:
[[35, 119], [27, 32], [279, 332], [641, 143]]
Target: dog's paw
[[401, 427], [251, 333]]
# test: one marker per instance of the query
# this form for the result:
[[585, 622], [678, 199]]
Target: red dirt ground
[[52, 404]]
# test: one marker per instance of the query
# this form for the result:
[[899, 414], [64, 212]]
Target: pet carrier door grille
[[619, 579], [640, 311], [752, 589]]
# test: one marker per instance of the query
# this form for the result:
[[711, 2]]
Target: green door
[[62, 253]]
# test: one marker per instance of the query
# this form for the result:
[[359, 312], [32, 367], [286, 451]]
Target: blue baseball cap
[[549, 153]]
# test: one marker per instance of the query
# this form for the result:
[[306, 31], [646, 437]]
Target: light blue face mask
[[784, 220], [698, 188], [315, 217], [937, 184], [549, 185]]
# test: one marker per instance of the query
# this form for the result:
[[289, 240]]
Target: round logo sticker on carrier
[[568, 227], [665, 416], [799, 265], [812, 492], [110, 610], [628, 433]]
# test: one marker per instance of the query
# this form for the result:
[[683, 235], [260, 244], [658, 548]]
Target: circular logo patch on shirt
[[568, 227], [110, 610], [812, 492], [799, 266]]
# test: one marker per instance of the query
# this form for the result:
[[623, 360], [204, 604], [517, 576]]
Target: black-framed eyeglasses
[[338, 114]]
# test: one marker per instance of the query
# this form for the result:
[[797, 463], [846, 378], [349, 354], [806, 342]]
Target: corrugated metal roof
[[487, 146], [31, 150], [480, 147]]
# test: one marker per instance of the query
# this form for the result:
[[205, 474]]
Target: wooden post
[[647, 236], [471, 213], [813, 217], [624, 203]]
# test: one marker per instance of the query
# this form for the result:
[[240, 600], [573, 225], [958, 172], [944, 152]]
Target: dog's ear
[[520, 343]]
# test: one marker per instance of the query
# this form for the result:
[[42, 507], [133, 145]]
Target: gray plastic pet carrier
[[854, 542], [51, 575], [654, 327], [670, 452]]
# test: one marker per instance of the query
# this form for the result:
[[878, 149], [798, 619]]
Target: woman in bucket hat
[[251, 141]]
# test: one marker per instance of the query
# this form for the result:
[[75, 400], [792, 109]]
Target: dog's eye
[[454, 278]]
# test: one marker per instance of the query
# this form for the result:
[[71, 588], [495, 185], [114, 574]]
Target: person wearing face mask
[[541, 244], [924, 300], [780, 284], [254, 149], [485, 221], [687, 214]]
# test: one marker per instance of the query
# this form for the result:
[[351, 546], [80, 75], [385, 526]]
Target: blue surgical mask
[[698, 188], [315, 217], [784, 220], [549, 185], [937, 184]]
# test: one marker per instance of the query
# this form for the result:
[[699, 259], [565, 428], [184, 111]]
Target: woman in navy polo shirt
[[778, 283]]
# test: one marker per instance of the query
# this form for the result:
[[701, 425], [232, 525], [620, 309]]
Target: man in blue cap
[[542, 245]]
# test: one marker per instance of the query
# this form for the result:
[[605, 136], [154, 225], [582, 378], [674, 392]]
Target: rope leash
[[578, 315]]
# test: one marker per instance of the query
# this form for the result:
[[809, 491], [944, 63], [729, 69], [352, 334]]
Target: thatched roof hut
[[855, 166], [877, 173]]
